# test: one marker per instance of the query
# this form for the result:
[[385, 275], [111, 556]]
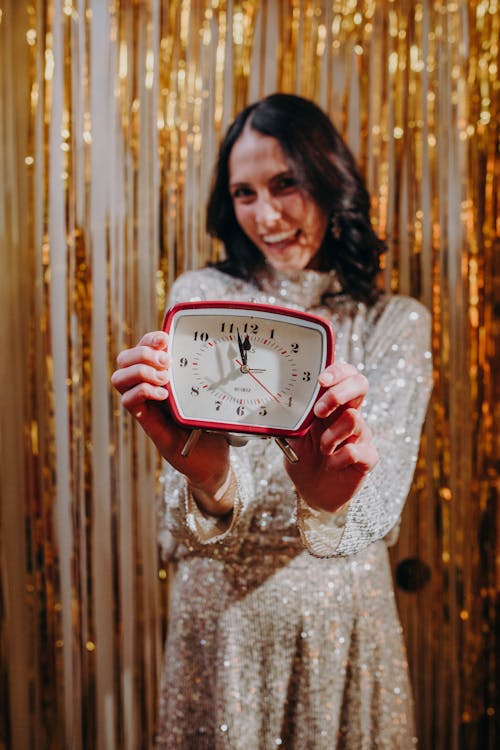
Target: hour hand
[[242, 348]]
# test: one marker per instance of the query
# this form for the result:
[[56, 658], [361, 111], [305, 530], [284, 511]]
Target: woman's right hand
[[142, 379]]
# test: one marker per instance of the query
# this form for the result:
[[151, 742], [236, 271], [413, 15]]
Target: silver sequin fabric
[[283, 628]]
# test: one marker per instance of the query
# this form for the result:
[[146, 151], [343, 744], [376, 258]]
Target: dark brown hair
[[326, 169]]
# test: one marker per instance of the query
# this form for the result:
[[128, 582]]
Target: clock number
[[262, 411], [294, 347], [271, 335], [290, 401], [203, 336], [252, 327], [195, 391], [230, 327], [240, 410], [183, 362], [306, 376], [218, 405]]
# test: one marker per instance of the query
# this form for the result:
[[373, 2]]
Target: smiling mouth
[[281, 239]]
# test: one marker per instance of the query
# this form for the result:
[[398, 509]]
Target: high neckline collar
[[304, 288]]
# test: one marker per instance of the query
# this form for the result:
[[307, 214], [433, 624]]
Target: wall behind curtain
[[110, 114]]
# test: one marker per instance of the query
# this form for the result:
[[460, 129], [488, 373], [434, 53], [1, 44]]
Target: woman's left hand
[[337, 452]]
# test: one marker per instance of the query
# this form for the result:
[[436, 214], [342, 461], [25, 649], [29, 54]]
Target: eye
[[285, 184], [242, 193]]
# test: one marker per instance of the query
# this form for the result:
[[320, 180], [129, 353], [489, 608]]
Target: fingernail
[[162, 358], [327, 379], [158, 340], [320, 410]]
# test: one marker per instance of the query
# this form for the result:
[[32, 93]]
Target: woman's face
[[279, 217]]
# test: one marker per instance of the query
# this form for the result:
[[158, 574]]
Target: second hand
[[259, 382]]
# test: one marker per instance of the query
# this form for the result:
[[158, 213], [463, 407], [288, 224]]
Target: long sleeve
[[180, 519], [184, 521], [397, 363]]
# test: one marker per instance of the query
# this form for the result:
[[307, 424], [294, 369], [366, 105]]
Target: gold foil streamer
[[110, 116]]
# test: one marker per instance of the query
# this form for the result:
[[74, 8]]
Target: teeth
[[275, 238]]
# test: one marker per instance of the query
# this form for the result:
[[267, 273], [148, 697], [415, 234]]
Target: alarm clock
[[246, 367]]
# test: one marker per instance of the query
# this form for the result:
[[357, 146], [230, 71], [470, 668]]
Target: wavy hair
[[325, 168]]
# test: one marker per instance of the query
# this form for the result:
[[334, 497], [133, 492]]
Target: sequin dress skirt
[[282, 650]]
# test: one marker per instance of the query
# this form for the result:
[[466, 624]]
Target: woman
[[283, 628]]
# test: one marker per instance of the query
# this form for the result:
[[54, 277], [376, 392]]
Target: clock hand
[[246, 368], [241, 347], [246, 346], [258, 381]]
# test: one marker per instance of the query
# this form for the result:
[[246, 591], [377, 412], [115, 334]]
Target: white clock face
[[246, 368]]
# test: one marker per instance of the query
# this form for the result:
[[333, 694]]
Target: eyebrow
[[237, 184], [286, 173], [278, 176]]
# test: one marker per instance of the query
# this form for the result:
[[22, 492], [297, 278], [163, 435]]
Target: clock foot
[[287, 450], [193, 438]]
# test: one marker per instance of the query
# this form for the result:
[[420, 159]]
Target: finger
[[133, 399], [349, 427], [127, 377], [335, 373], [158, 358], [151, 348], [360, 456], [349, 391], [155, 339]]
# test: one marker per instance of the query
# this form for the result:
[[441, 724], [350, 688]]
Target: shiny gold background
[[110, 114]]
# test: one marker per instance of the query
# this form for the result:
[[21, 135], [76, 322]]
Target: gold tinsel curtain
[[110, 114]]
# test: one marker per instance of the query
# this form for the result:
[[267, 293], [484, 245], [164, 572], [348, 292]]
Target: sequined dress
[[283, 630]]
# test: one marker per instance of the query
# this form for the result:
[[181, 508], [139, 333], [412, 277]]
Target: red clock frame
[[257, 430]]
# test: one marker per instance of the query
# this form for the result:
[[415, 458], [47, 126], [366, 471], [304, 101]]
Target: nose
[[267, 210]]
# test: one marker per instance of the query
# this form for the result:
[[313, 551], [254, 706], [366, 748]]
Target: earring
[[335, 227]]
